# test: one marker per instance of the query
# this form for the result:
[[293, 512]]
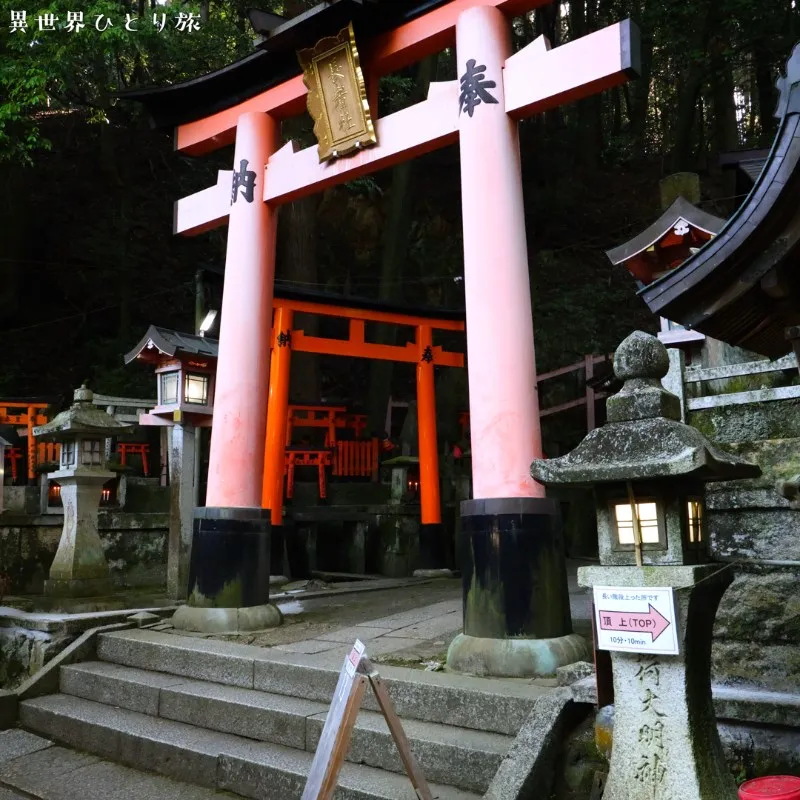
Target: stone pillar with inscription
[[655, 592], [666, 743]]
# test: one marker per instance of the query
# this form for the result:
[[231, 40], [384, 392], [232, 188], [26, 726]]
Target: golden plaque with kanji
[[337, 97]]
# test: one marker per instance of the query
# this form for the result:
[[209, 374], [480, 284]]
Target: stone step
[[258, 770], [466, 759], [498, 705], [35, 767]]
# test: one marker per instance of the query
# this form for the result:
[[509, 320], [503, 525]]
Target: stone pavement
[[410, 625], [33, 767]]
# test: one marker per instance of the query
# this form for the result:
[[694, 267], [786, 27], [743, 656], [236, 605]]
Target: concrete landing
[[33, 767]]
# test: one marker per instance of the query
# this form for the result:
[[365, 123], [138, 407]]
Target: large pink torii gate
[[516, 604]]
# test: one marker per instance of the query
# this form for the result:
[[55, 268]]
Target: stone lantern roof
[[644, 438], [81, 418]]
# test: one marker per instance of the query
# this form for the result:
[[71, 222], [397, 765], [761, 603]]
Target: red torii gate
[[422, 352], [502, 374]]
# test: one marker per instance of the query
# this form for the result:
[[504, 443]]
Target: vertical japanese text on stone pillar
[[652, 756]]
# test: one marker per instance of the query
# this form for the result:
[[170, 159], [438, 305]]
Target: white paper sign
[[636, 619], [354, 658]]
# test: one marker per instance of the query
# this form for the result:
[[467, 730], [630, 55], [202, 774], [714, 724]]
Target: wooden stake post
[[335, 740]]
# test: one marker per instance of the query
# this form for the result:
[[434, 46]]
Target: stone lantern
[[648, 470], [79, 568]]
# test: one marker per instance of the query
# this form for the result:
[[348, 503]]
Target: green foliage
[[87, 258], [45, 71]]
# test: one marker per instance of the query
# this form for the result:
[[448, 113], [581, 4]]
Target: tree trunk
[[638, 92], [299, 258], [14, 221], [297, 263], [725, 129], [590, 110], [688, 92], [766, 91], [394, 253]]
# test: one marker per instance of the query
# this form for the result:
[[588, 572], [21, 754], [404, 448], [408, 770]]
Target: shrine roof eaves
[[680, 209], [742, 286], [275, 59], [174, 343]]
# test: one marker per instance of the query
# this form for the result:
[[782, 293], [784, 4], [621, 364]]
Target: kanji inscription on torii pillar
[[475, 88]]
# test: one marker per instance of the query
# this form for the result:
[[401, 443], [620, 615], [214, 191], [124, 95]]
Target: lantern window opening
[[195, 389], [694, 507], [168, 389], [69, 454], [651, 524], [92, 453]]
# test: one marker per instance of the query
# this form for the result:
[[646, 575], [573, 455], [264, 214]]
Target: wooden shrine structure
[[679, 232]]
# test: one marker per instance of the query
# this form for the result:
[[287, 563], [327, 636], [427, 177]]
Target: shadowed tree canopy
[[88, 260]]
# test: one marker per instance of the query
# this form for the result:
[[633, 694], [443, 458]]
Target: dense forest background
[[88, 260]]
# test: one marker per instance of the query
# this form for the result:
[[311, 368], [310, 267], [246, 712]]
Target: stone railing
[[687, 382], [125, 409]]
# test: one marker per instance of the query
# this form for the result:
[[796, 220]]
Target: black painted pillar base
[[229, 572], [433, 552], [278, 563], [516, 602]]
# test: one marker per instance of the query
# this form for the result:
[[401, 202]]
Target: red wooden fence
[[356, 459]]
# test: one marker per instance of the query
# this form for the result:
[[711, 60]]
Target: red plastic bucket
[[773, 787]]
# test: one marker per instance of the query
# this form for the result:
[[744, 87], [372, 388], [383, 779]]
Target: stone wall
[[135, 546], [757, 631], [380, 539], [24, 651]]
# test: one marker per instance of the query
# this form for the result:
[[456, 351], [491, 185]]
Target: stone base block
[[433, 573], [277, 580], [515, 658], [78, 587], [227, 620]]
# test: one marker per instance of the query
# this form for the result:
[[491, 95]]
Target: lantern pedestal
[[665, 741], [229, 573], [516, 602], [182, 454], [79, 568]]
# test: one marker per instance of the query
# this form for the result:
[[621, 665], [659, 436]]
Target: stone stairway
[[247, 719]]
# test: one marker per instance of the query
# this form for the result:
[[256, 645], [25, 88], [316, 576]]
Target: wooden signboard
[[356, 672]]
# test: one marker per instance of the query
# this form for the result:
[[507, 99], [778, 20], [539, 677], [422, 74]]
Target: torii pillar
[[229, 567], [516, 602]]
